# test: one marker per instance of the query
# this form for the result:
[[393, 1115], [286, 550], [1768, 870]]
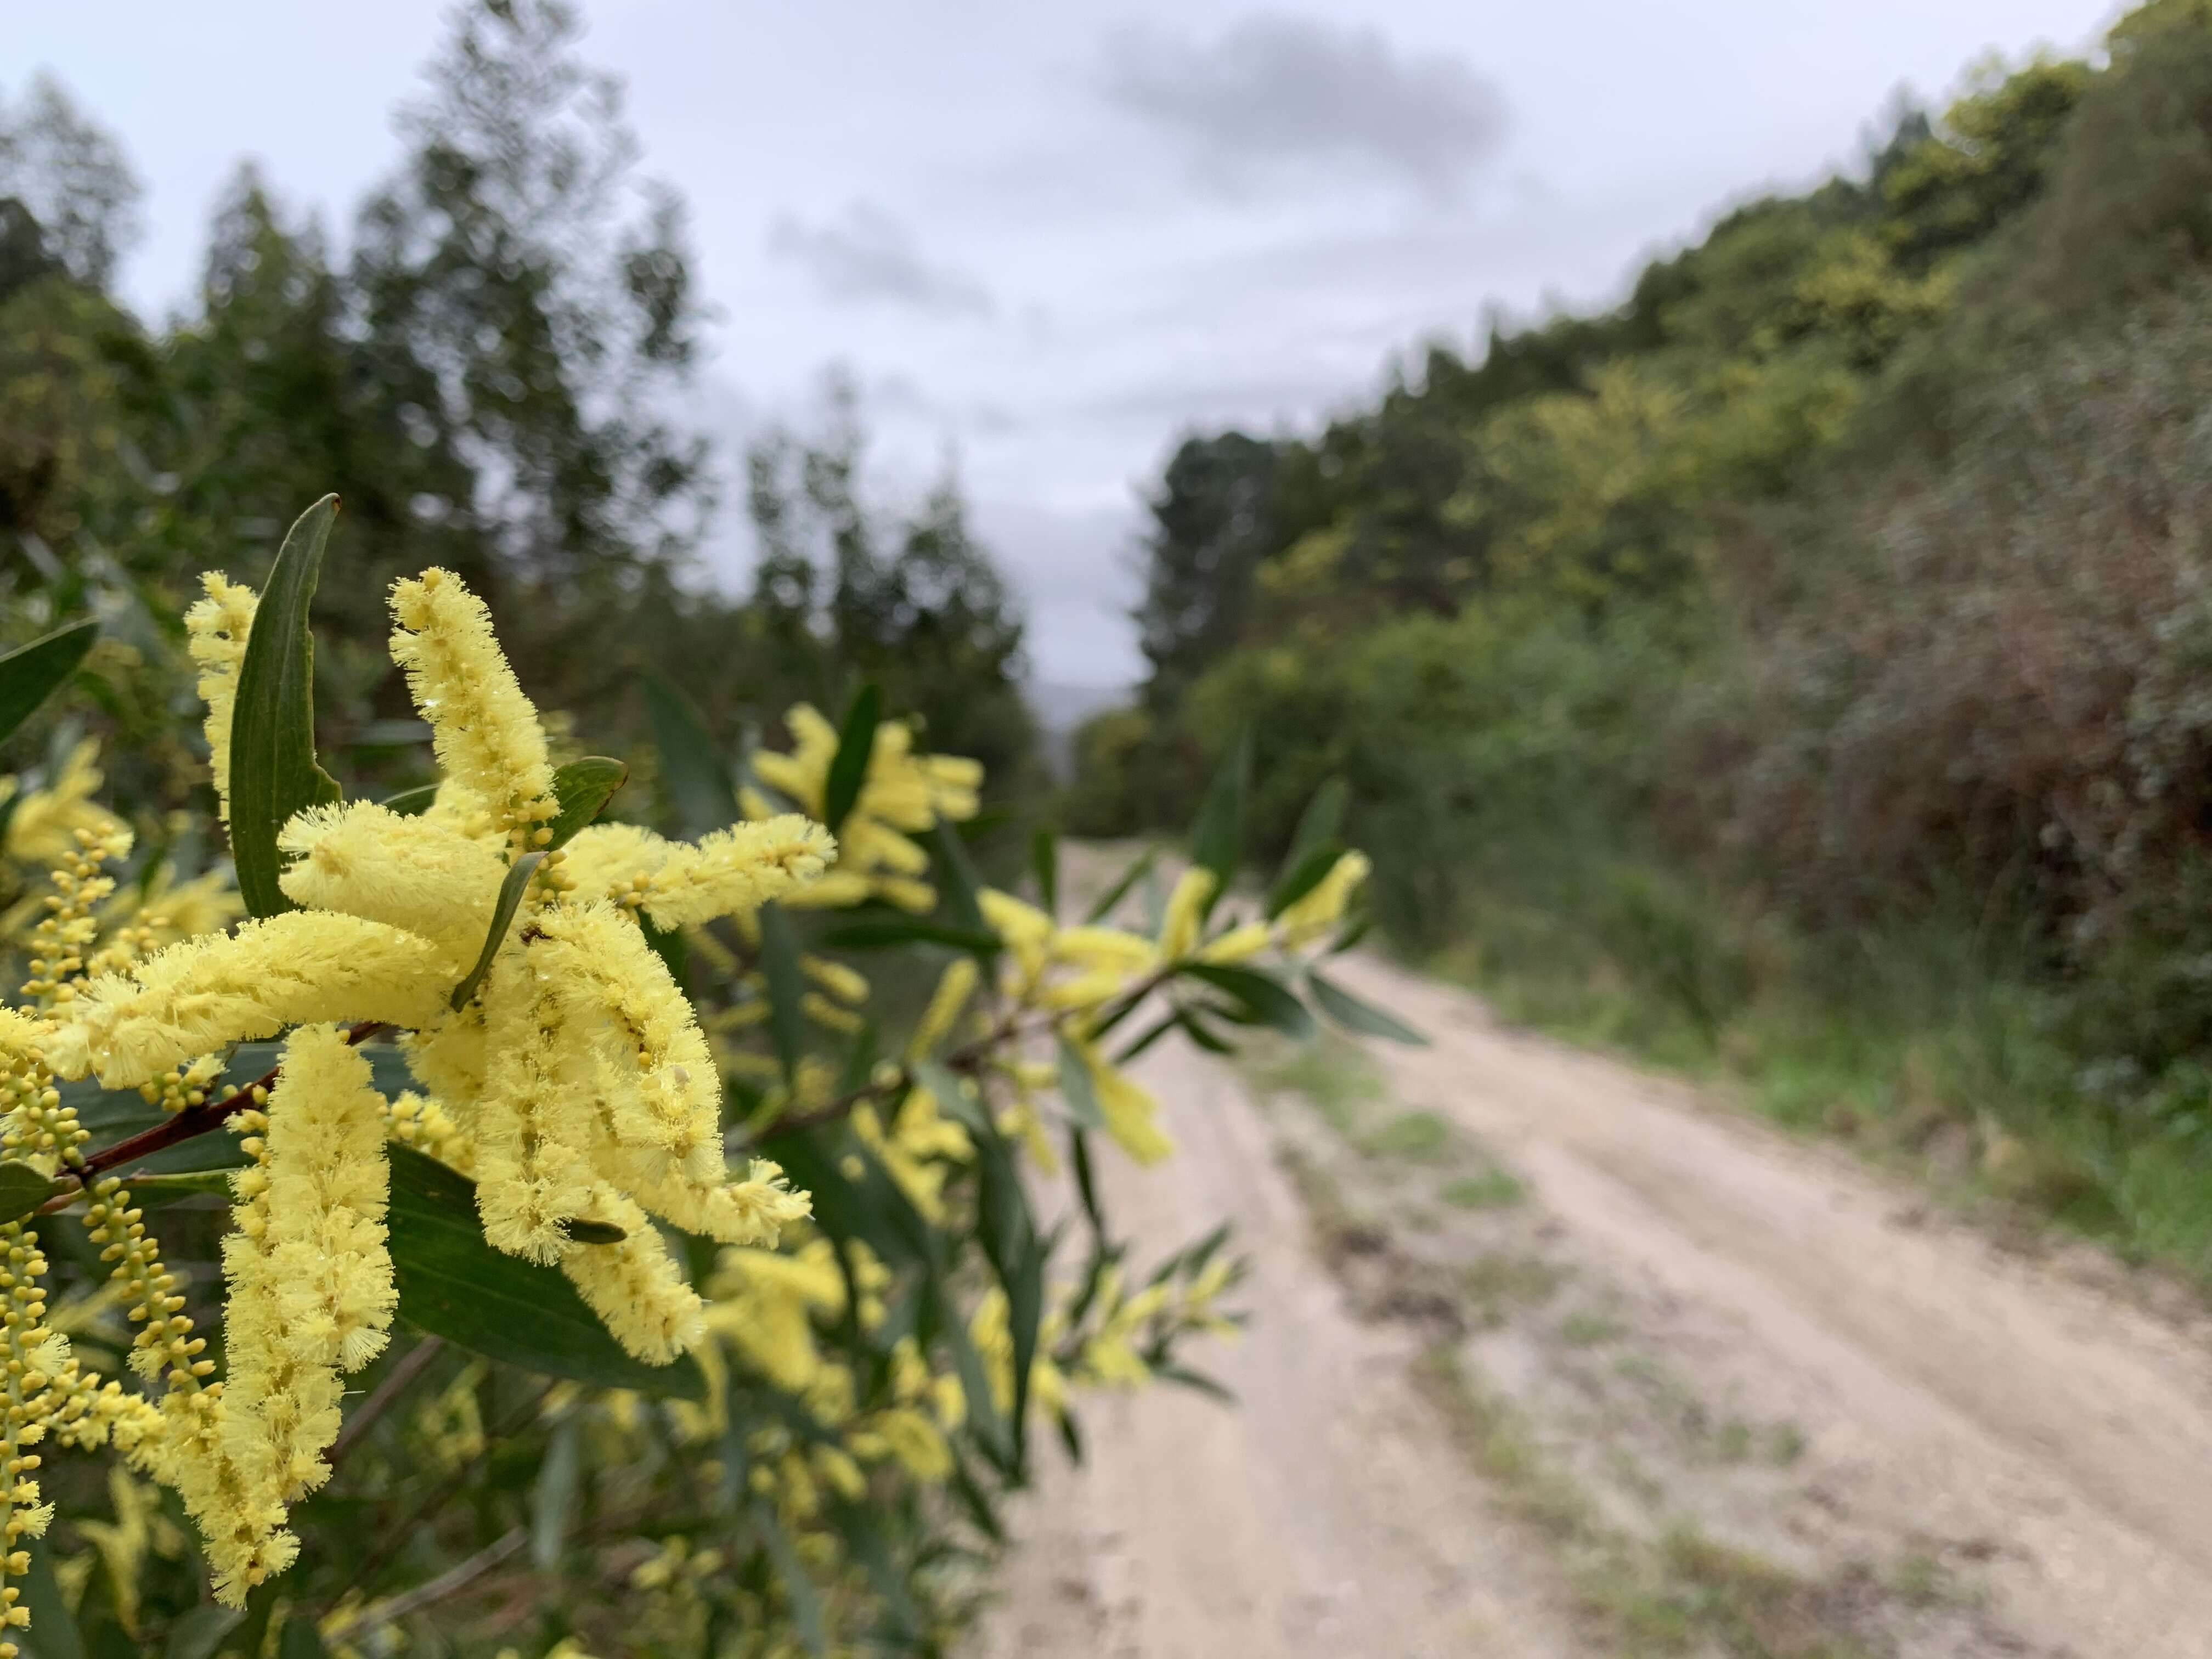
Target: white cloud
[[1275, 90], [869, 256]]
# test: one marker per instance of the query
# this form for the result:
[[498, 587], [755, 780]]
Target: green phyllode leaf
[[22, 1190], [583, 788], [502, 917], [453, 1284], [1354, 1014], [693, 770], [273, 773], [1262, 999], [856, 743], [31, 673]]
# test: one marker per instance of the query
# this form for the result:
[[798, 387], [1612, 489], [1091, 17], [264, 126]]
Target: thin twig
[[449, 1582], [395, 1537], [397, 1381], [966, 1060], [187, 1125]]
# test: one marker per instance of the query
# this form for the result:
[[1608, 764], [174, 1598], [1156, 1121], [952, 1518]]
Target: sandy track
[[1319, 1516], [1962, 1393], [1983, 1406]]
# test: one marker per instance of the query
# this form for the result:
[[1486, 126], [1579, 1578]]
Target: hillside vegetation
[[1801, 670]]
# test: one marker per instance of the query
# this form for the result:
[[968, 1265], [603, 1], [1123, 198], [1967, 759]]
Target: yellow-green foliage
[[607, 1083]]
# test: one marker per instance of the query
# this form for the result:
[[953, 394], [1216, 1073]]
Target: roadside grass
[[1673, 1591], [1683, 1592], [1493, 1189], [1925, 1051]]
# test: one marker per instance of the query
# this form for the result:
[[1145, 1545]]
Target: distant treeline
[[487, 370], [1808, 659]]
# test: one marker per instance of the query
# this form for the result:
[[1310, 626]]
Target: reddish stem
[[187, 1125]]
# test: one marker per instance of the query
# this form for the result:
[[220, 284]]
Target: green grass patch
[[1919, 1042], [1682, 1593], [1493, 1189], [1417, 1137]]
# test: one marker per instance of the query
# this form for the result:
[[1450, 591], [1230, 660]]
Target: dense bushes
[[1807, 667]]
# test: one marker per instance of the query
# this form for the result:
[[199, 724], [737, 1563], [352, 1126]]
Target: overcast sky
[[1056, 237]]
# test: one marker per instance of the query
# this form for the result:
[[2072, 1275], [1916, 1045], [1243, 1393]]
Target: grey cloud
[[867, 256], [1275, 88]]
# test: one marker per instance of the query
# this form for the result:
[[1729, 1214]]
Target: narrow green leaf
[[885, 930], [1044, 864], [1217, 838], [149, 1189], [1197, 1382], [856, 743], [31, 673], [787, 1025], [22, 1190], [1139, 867], [862, 1535], [273, 774], [1011, 1244], [199, 1632], [1158, 1028], [412, 802], [583, 788], [1264, 997], [692, 768], [299, 1638], [1076, 1089], [1086, 1183], [980, 1508], [453, 1284], [797, 1588], [1300, 878], [1321, 821], [502, 917], [956, 879], [954, 1098], [1350, 1012], [553, 1498], [594, 1232], [1200, 1033], [54, 1633]]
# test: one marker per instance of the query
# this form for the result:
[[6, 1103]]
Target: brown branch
[[966, 1060], [396, 1381], [449, 1582], [187, 1125]]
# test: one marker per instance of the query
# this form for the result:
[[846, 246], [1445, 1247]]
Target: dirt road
[[1549, 1357]]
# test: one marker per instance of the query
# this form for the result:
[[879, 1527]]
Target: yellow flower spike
[[534, 1119], [310, 1296], [366, 860], [217, 628], [844, 983], [1179, 928], [485, 730], [1320, 910], [1131, 1110], [42, 830], [635, 1286], [1237, 944], [832, 1016], [614, 861], [764, 1304], [203, 994], [946, 1004], [735, 871]]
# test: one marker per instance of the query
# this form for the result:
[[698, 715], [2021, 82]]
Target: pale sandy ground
[[2037, 1435]]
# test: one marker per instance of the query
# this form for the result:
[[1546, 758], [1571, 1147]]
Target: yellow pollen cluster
[[216, 629]]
